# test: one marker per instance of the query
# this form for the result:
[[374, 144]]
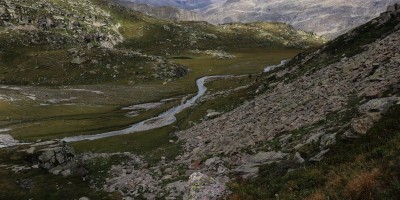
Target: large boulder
[[371, 112], [381, 105], [61, 160]]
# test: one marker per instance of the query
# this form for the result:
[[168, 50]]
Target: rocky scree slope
[[303, 94], [338, 91], [303, 110]]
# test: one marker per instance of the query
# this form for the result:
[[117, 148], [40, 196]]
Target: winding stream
[[164, 119]]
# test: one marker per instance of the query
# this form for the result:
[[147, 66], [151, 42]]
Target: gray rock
[[55, 171], [31, 150], [381, 105], [298, 158], [361, 125], [178, 186], [328, 139], [78, 60], [25, 183], [249, 169], [266, 157], [202, 186], [67, 172], [210, 161], [319, 156], [149, 196], [212, 114], [61, 159]]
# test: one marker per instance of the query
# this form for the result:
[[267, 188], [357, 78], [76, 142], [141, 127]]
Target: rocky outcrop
[[57, 158], [7, 141], [202, 186], [55, 24], [370, 113]]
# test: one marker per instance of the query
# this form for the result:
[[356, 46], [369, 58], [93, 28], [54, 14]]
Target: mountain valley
[[108, 99]]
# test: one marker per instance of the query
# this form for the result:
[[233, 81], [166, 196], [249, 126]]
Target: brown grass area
[[318, 195], [361, 185]]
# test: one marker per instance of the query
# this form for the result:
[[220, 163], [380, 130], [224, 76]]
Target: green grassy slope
[[62, 43]]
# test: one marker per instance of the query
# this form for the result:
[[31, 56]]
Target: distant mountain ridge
[[328, 18], [162, 12]]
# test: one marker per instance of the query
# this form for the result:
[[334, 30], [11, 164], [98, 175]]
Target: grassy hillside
[[87, 42]]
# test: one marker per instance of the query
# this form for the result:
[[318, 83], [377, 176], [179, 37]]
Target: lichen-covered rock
[[381, 105], [371, 112], [203, 187], [362, 125]]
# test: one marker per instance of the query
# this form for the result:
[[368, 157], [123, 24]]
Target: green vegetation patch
[[41, 184]]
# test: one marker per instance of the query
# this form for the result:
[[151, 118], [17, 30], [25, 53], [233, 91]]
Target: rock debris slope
[[329, 101], [303, 109], [302, 102]]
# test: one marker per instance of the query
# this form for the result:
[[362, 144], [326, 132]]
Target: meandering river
[[164, 119]]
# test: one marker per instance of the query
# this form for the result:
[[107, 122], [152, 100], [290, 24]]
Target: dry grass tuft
[[361, 185], [318, 195], [234, 197]]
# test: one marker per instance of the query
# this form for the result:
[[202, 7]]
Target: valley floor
[[38, 113]]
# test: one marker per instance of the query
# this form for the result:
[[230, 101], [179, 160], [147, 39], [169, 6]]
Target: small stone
[[371, 93], [55, 172], [210, 161], [319, 156], [362, 125], [25, 183], [166, 177], [66, 173], [195, 165], [78, 60], [31, 150], [298, 158]]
